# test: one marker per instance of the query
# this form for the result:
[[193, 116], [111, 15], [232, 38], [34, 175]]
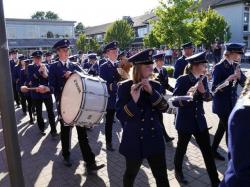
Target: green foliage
[[50, 34], [181, 21], [122, 32], [85, 44], [79, 28], [211, 25], [41, 15], [81, 42], [151, 41], [170, 71]]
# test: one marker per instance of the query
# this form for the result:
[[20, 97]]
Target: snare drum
[[84, 100]]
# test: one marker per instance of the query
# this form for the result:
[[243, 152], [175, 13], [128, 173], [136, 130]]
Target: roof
[[34, 43], [37, 20], [217, 3], [139, 21]]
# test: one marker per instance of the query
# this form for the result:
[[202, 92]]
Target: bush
[[170, 71]]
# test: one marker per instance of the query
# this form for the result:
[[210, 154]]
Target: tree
[[38, 15], [79, 28], [81, 42], [151, 41], [92, 45], [49, 15], [122, 32], [174, 25], [50, 34], [211, 25]]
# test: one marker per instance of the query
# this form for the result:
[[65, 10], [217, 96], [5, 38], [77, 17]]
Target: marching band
[[132, 88]]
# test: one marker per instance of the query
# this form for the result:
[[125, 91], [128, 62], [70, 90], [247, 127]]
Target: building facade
[[141, 25], [30, 34], [236, 13]]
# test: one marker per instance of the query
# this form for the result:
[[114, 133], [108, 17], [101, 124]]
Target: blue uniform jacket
[[109, 73], [238, 171], [225, 99], [36, 79], [16, 76], [142, 131], [56, 77], [179, 66], [92, 69], [24, 80], [190, 114], [12, 66], [163, 79]]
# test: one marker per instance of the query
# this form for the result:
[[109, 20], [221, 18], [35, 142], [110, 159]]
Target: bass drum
[[84, 100]]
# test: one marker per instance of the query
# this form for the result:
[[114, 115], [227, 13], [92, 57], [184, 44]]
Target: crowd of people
[[136, 85]]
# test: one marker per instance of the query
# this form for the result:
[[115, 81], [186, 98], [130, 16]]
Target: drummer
[[138, 105], [163, 79], [60, 71], [190, 119]]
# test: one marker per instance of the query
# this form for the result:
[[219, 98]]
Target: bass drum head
[[71, 99]]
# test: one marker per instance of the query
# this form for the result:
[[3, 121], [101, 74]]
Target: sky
[[89, 12]]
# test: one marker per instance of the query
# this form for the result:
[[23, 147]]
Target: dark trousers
[[203, 140], [222, 128], [15, 93], [25, 99], [23, 102], [165, 134], [158, 167], [87, 154], [109, 124], [38, 103]]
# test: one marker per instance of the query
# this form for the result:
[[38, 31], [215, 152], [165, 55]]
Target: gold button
[[195, 116], [152, 119], [153, 110], [141, 110], [142, 119], [153, 128], [141, 137], [142, 129]]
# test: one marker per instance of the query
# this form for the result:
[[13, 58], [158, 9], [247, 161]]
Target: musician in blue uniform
[[13, 61], [225, 99], [181, 63], [238, 170], [48, 59], [26, 95], [138, 107], [91, 65], [59, 72], [162, 77], [38, 77], [16, 76], [108, 71], [190, 119]]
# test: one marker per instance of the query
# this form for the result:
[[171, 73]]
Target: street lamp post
[[8, 112]]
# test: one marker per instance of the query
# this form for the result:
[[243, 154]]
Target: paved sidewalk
[[42, 162]]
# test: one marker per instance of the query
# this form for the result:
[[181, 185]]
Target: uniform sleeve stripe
[[158, 101], [128, 111]]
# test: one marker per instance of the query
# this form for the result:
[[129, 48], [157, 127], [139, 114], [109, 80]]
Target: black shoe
[[169, 139], [218, 156], [92, 169], [110, 147], [54, 134], [67, 162], [42, 133], [180, 178], [31, 122]]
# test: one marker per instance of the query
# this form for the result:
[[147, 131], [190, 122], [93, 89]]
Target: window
[[245, 40], [141, 32], [246, 19], [99, 38]]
